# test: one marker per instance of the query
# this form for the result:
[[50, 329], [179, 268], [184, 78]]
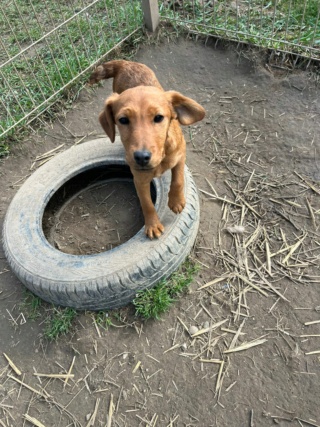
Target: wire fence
[[287, 25], [46, 45]]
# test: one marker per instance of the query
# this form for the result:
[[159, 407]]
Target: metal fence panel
[[46, 45], [287, 25]]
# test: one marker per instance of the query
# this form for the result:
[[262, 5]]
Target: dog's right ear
[[106, 117]]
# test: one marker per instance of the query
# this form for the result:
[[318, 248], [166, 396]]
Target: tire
[[105, 280]]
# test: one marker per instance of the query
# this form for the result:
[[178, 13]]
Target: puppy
[[148, 119]]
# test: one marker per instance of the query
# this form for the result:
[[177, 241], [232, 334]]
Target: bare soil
[[97, 218], [255, 159]]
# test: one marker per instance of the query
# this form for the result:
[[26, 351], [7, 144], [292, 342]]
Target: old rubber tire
[[100, 281]]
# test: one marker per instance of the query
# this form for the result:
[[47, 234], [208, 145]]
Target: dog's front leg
[[153, 226], [177, 200]]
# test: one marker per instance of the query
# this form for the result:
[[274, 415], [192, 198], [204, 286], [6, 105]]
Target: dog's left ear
[[187, 110]]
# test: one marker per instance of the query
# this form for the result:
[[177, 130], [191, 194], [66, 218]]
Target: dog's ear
[[106, 117], [188, 111]]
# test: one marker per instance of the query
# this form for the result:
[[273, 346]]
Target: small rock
[[206, 325], [237, 229], [193, 330], [183, 347]]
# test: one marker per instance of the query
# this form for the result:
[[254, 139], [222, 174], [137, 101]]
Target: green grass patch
[[4, 149], [59, 322], [31, 306], [50, 63], [151, 303], [102, 319], [291, 25]]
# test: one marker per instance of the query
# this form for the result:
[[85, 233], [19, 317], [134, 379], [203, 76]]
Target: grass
[[152, 303], [59, 322], [291, 25], [148, 304], [102, 319], [31, 306], [30, 79]]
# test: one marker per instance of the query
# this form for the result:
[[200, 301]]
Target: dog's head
[[143, 115]]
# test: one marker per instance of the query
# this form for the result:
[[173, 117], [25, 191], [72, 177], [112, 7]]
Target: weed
[[59, 322], [4, 149], [102, 319], [151, 303], [31, 306]]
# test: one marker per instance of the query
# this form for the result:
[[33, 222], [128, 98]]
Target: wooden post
[[151, 14]]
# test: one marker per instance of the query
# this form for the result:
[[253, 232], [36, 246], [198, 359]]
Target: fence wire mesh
[[46, 45], [292, 26]]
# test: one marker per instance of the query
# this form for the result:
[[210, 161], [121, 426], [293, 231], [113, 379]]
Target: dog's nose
[[142, 157]]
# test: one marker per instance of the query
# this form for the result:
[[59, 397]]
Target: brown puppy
[[148, 121]]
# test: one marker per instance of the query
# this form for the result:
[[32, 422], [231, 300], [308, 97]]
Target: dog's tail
[[106, 70]]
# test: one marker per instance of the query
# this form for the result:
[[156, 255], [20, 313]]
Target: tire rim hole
[[95, 211]]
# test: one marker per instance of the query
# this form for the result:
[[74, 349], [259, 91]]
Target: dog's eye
[[158, 118], [124, 120]]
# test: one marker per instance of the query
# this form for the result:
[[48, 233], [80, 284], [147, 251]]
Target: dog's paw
[[176, 204], [154, 230]]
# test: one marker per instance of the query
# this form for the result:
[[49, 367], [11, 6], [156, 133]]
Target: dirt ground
[[255, 159], [98, 217]]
